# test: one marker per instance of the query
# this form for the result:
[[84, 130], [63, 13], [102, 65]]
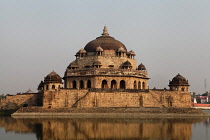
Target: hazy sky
[[168, 37]]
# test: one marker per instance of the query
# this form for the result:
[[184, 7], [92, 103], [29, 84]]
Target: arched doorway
[[88, 84], [134, 85], [122, 84], [74, 84], [53, 86], [182, 89], [104, 84], [113, 84], [81, 84], [143, 85], [139, 85]]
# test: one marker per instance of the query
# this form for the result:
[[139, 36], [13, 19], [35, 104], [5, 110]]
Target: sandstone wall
[[85, 98], [33, 99], [62, 97]]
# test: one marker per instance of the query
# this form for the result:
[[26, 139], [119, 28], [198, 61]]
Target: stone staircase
[[76, 103]]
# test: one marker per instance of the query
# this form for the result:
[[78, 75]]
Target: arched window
[[182, 89], [88, 84], [104, 84], [143, 86], [81, 84], [134, 85], [122, 84], [74, 84], [59, 87], [113, 84], [47, 87], [53, 86], [139, 85]]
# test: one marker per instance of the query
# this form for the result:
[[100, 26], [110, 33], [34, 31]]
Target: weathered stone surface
[[33, 99], [86, 98]]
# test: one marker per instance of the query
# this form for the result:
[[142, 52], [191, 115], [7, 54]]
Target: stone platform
[[110, 112]]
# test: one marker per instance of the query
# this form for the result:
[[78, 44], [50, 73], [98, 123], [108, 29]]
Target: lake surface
[[104, 128]]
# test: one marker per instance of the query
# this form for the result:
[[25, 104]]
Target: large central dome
[[105, 41]]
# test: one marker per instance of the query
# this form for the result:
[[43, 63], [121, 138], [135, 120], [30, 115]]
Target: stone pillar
[[78, 84], [118, 84], [85, 84], [108, 84]]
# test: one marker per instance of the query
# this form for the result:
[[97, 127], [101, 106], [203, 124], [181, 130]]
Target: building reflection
[[101, 128]]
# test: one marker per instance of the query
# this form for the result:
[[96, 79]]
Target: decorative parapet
[[105, 71]]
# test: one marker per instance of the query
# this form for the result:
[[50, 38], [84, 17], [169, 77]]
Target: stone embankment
[[111, 111]]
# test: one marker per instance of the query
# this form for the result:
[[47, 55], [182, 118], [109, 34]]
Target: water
[[104, 128]]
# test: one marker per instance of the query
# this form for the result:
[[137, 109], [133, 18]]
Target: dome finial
[[105, 31]]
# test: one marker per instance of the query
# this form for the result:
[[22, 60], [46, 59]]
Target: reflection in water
[[102, 128]]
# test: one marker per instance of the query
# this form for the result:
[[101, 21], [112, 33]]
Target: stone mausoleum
[[104, 74]]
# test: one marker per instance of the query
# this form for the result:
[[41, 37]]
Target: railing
[[105, 71]]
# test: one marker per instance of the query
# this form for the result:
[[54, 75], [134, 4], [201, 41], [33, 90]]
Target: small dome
[[81, 51], [141, 67], [179, 80], [73, 65], [99, 49], [53, 77], [127, 64], [105, 41], [41, 85], [131, 53], [96, 63], [121, 49], [29, 91]]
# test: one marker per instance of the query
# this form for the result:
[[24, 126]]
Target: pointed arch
[[88, 84], [74, 84], [143, 85], [134, 85], [113, 84], [104, 84], [81, 83], [53, 86], [139, 85], [122, 84]]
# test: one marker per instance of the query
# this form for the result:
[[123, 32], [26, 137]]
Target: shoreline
[[107, 115], [111, 112]]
